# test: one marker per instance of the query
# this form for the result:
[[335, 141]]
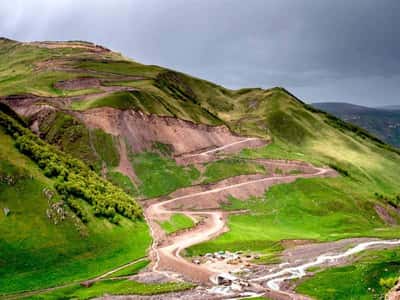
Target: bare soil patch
[[384, 214], [78, 83], [125, 166], [142, 130]]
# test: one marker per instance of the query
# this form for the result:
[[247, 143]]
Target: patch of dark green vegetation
[[74, 178], [177, 86], [104, 145], [174, 84], [286, 127], [373, 274], [160, 175], [230, 167], [93, 146], [7, 110], [393, 201], [162, 149], [123, 181]]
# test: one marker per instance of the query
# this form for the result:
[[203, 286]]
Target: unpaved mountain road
[[167, 250]]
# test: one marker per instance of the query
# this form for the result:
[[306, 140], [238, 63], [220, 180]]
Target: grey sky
[[321, 50]]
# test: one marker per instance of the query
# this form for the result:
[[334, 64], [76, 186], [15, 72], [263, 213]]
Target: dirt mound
[[78, 84]]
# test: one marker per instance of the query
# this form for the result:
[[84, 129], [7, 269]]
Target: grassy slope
[[225, 168], [93, 146], [363, 280], [381, 122], [319, 209], [18, 69], [177, 222], [131, 270], [35, 253], [123, 182], [328, 208], [160, 175], [113, 287]]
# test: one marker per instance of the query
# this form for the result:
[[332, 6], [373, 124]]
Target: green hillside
[[383, 122], [45, 241], [315, 209], [105, 229]]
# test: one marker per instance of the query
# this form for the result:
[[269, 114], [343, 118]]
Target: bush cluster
[[388, 283], [74, 179]]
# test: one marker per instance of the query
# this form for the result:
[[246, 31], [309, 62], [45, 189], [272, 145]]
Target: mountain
[[101, 154], [383, 122], [390, 107]]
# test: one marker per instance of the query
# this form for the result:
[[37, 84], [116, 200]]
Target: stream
[[274, 280]]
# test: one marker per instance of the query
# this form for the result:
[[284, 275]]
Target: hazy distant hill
[[384, 122], [390, 107]]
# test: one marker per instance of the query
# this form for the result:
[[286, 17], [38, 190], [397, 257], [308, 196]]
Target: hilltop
[[111, 139]]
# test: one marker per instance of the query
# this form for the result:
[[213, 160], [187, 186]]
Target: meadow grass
[[119, 100], [225, 168], [229, 167], [176, 222], [361, 280], [316, 209], [161, 175], [121, 67], [105, 147], [113, 287], [132, 269], [123, 182], [36, 253]]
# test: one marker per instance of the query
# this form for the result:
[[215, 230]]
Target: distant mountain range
[[384, 122], [390, 107]]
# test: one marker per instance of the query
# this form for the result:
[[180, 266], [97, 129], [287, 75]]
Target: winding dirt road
[[167, 250]]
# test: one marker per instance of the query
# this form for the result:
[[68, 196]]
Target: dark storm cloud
[[322, 50]]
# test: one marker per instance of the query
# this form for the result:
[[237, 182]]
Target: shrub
[[74, 179], [388, 283]]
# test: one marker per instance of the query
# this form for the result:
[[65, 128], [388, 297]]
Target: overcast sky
[[321, 50]]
